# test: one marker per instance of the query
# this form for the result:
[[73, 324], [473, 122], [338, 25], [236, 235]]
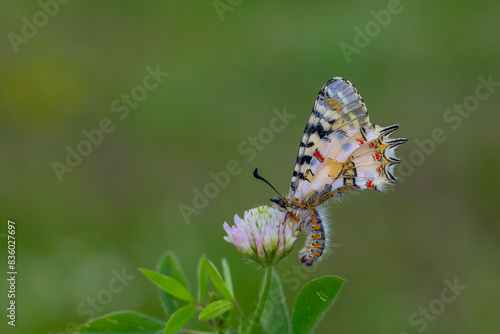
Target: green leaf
[[275, 318], [213, 297], [202, 279], [215, 309], [217, 281], [123, 322], [179, 319], [169, 284], [226, 270], [169, 266], [313, 302]]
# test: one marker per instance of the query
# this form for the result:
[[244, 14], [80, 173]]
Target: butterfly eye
[[281, 202]]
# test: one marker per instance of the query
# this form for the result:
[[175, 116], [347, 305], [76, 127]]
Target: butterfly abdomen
[[316, 240]]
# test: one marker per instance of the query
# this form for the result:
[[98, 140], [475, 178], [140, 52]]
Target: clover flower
[[262, 236]]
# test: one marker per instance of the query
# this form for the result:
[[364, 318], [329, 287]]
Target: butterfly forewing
[[337, 111]]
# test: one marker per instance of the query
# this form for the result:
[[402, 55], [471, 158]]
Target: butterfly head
[[280, 201]]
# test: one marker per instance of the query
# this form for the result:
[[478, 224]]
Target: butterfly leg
[[316, 241]]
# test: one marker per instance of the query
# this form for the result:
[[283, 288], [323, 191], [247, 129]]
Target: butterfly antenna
[[257, 176]]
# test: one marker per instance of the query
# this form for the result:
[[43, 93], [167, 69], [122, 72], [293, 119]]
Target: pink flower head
[[262, 235]]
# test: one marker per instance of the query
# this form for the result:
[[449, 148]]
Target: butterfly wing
[[340, 150]]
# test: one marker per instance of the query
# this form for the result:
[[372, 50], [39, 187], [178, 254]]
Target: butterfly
[[340, 152]]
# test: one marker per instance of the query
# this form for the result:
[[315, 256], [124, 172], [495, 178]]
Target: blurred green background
[[119, 208]]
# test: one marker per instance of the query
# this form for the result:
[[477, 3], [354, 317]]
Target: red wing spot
[[319, 156], [377, 156], [369, 184], [372, 144], [360, 141], [379, 170]]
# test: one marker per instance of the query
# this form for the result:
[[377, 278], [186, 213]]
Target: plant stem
[[242, 315], [262, 300]]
